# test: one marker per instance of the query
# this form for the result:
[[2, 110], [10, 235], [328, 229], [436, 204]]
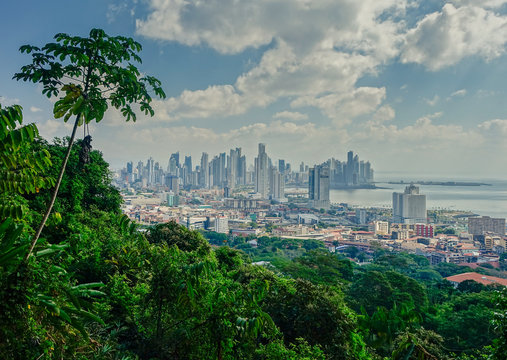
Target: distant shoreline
[[356, 187], [440, 183]]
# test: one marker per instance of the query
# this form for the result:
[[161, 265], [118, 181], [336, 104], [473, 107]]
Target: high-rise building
[[276, 185], [222, 225], [174, 164], [242, 180], [318, 187], [172, 182], [150, 167], [232, 167], [204, 171], [409, 207], [481, 225], [262, 172], [176, 157], [187, 171], [281, 166]]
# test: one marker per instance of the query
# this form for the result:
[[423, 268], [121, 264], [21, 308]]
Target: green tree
[[316, 313], [20, 165], [88, 74]]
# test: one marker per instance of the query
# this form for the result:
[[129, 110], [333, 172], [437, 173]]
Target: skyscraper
[[203, 171], [172, 182], [262, 172], [242, 170], [281, 166], [276, 185], [409, 207], [187, 171], [318, 187], [150, 169], [232, 167]]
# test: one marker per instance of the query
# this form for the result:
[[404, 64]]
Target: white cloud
[[51, 128], [231, 26], [318, 49], [460, 93], [342, 107], [35, 109], [444, 38], [345, 41], [433, 101], [5, 101], [384, 113], [488, 4], [422, 134], [496, 127], [291, 115]]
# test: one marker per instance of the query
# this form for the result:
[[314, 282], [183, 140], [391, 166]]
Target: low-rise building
[[483, 279]]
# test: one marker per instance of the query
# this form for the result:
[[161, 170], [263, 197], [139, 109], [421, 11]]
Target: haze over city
[[414, 86]]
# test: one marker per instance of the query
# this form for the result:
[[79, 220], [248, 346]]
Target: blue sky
[[415, 86]]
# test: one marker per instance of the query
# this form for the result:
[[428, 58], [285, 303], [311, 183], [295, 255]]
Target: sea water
[[482, 200]]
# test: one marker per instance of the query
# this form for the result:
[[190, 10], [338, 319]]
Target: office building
[[481, 225], [409, 207], [318, 187], [222, 225], [276, 185], [262, 172]]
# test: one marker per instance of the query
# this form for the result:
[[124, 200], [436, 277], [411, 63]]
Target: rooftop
[[483, 279]]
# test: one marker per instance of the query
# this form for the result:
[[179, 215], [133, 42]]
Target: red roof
[[483, 279]]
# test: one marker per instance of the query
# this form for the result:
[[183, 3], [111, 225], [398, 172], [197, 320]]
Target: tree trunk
[[55, 191]]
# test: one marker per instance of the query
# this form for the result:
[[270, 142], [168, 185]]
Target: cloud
[[308, 63], [422, 134], [433, 101], [342, 107], [5, 101], [35, 109], [291, 115], [487, 4], [496, 127], [230, 26], [444, 38], [224, 100], [51, 128], [460, 93], [115, 10], [384, 113], [318, 51]]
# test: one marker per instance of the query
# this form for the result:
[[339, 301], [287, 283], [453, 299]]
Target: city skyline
[[413, 84]]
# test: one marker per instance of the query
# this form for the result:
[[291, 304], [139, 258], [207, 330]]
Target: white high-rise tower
[[262, 172]]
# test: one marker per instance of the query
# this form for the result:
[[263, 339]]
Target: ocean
[[482, 200]]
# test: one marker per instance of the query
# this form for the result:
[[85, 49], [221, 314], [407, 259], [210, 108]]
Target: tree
[[88, 74], [316, 313], [20, 165]]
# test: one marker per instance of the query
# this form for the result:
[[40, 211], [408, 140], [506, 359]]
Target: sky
[[413, 86]]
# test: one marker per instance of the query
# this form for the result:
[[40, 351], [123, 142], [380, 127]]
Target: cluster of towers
[[230, 171], [353, 172], [269, 180], [225, 171]]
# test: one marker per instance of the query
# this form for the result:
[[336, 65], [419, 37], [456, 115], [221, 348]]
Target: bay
[[482, 200]]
